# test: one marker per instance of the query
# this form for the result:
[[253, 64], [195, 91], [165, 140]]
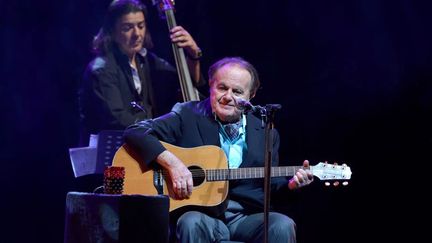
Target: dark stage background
[[353, 77]]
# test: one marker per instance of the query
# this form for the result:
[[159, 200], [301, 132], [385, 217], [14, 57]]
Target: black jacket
[[108, 89]]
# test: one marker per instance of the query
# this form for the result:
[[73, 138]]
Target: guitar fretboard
[[248, 173]]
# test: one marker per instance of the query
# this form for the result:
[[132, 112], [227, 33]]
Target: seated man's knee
[[281, 224], [197, 227], [190, 221], [189, 218]]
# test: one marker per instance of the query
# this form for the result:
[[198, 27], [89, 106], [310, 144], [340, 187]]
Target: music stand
[[108, 143], [98, 155]]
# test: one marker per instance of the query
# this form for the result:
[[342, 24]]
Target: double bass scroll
[[189, 92]]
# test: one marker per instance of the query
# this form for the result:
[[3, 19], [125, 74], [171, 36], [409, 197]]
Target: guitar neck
[[249, 173]]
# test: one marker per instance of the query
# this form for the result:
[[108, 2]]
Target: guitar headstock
[[333, 172]]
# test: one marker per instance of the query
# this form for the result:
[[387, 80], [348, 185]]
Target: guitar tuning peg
[[345, 183], [336, 183], [327, 183]]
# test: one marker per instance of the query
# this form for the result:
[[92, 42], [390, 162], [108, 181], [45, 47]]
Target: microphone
[[136, 105], [246, 106]]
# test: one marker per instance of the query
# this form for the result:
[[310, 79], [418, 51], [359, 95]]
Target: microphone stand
[[267, 117], [267, 120]]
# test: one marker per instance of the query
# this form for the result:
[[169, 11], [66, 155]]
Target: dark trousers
[[195, 226]]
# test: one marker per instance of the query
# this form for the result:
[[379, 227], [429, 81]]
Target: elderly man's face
[[229, 83]]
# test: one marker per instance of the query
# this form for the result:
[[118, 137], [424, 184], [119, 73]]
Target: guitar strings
[[195, 173], [219, 172]]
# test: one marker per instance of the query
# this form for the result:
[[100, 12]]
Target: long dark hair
[[103, 41]]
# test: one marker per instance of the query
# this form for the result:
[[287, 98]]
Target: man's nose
[[229, 95]]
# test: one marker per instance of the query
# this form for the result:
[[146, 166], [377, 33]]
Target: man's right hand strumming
[[179, 183]]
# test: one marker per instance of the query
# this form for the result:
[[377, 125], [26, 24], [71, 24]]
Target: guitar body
[[139, 179]]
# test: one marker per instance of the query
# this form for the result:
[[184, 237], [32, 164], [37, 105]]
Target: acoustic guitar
[[209, 167]]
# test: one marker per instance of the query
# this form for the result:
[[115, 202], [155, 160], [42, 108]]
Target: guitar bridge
[[158, 181]]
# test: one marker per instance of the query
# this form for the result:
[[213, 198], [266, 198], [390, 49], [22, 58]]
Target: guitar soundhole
[[198, 175]]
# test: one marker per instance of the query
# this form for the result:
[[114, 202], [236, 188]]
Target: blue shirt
[[234, 148]]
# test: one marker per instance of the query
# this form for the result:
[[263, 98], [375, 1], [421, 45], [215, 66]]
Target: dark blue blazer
[[192, 124]]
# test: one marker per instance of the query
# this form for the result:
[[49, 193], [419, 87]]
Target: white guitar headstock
[[325, 172]]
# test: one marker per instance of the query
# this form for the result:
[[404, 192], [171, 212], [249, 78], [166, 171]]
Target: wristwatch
[[197, 56]]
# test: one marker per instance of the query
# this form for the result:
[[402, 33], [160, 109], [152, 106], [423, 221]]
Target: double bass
[[189, 92]]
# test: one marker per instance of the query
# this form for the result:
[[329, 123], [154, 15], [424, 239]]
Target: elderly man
[[206, 122]]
